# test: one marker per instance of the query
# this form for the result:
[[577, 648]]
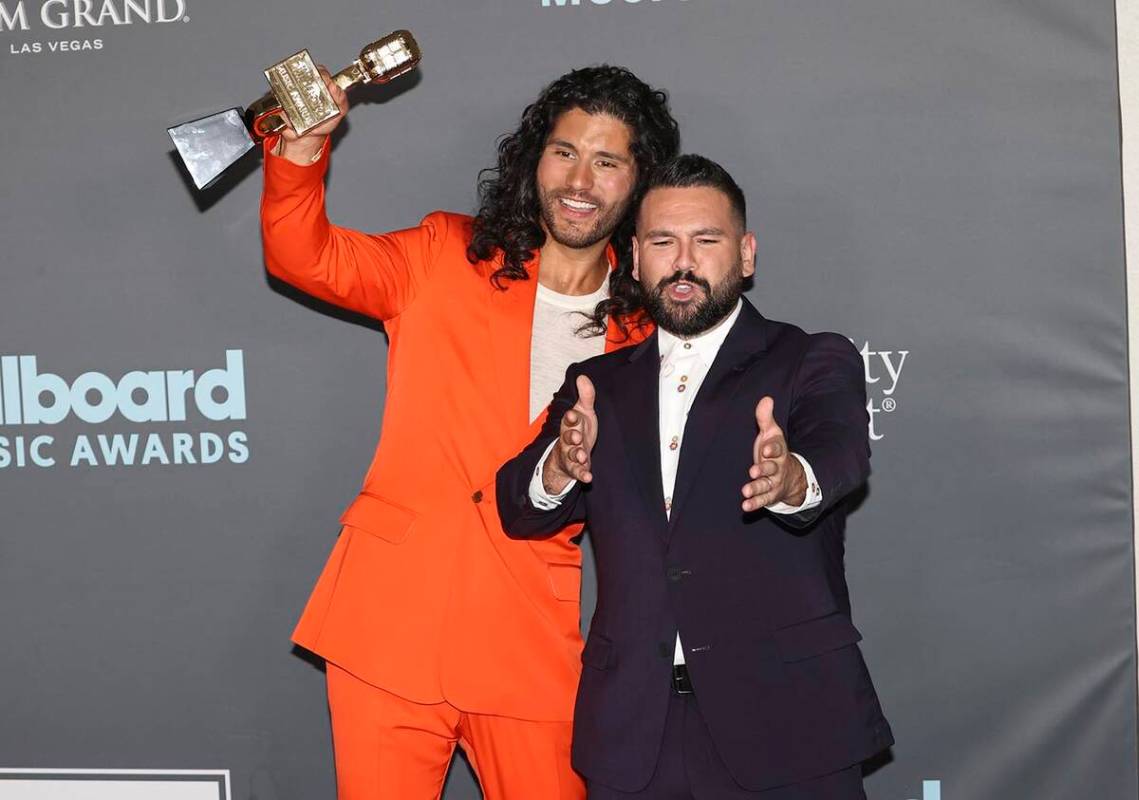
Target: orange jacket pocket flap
[[379, 517]]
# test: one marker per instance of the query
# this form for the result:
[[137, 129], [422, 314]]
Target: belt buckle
[[681, 683]]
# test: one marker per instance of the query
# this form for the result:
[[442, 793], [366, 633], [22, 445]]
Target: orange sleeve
[[375, 274]]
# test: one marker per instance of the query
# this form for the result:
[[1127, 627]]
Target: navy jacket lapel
[[745, 343], [638, 405]]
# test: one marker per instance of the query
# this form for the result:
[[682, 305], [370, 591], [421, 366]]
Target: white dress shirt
[[683, 365]]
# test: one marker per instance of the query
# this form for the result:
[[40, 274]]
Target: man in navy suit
[[710, 464]]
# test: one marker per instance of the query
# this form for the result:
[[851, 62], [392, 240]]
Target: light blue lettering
[[116, 448]]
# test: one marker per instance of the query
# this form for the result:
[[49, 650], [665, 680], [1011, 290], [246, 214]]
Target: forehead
[[587, 131], [688, 208]]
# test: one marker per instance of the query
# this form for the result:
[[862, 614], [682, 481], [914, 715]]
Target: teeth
[[578, 205]]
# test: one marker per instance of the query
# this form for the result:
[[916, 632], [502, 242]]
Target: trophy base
[[210, 145]]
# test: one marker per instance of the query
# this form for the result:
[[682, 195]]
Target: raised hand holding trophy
[[297, 98]]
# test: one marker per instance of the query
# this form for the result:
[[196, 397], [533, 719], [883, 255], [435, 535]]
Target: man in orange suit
[[436, 628]]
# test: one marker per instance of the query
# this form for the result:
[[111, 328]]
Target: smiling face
[[585, 178], [691, 256]]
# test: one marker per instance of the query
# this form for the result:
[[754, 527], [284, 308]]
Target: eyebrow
[[601, 153]]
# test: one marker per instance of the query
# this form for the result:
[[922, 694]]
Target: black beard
[[607, 220], [693, 319]]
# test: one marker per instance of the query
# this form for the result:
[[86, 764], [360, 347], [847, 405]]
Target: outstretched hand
[[775, 476], [571, 457]]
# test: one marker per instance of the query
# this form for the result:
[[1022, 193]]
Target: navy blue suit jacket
[[760, 601]]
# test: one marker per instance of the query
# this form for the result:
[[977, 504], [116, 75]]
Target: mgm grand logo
[[75, 15]]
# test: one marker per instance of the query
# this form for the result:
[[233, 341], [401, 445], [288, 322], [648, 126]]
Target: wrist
[[797, 486], [302, 152], [554, 480]]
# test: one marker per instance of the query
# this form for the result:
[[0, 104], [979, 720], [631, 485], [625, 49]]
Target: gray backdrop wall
[[938, 179]]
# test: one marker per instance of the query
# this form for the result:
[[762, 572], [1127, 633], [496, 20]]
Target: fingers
[[758, 487], [585, 393], [765, 414], [575, 461], [339, 96], [763, 469], [770, 443], [774, 449], [760, 493]]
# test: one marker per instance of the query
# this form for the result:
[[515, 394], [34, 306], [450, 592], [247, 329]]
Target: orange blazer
[[423, 594]]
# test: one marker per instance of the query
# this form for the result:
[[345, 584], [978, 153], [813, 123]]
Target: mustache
[[688, 276]]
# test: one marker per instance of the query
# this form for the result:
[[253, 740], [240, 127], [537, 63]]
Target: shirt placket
[[680, 379]]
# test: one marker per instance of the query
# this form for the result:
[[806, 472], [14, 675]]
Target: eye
[[707, 241], [607, 164], [661, 242]]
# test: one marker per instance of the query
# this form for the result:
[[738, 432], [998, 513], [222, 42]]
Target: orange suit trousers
[[395, 749]]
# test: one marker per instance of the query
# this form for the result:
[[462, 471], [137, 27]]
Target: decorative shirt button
[[477, 497]]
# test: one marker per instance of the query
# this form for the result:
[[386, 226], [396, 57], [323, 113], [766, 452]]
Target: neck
[[572, 270]]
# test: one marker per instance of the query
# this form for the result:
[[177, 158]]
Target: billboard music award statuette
[[297, 97]]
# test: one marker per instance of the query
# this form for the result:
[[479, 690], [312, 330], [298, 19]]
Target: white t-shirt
[[555, 343]]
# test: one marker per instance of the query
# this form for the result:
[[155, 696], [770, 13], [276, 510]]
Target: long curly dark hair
[[508, 219]]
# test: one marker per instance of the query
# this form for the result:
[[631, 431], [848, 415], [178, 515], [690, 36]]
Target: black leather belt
[[681, 683]]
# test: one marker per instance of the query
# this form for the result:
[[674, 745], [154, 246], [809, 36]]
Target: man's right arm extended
[[552, 468], [374, 274]]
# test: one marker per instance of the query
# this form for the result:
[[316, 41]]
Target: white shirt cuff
[[539, 497], [814, 493]]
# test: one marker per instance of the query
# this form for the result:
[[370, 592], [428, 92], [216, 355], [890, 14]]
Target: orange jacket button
[[477, 496]]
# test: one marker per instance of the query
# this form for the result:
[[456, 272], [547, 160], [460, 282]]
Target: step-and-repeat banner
[[937, 179]]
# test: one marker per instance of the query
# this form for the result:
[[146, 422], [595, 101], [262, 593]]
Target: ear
[[636, 259], [747, 254]]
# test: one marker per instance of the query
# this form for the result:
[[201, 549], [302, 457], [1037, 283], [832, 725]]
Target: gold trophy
[[297, 97]]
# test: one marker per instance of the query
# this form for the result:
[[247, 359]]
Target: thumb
[[585, 393], [765, 415]]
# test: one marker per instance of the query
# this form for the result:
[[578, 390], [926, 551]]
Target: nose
[[685, 257], [580, 176]]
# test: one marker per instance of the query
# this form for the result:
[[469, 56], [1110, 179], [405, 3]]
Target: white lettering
[[35, 387], [81, 403], [9, 368], [54, 14], [16, 19], [141, 12], [154, 450], [169, 12], [83, 451], [212, 448], [232, 380], [116, 448], [153, 387], [83, 14], [239, 447], [29, 397], [894, 372], [184, 449], [108, 11], [38, 458]]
